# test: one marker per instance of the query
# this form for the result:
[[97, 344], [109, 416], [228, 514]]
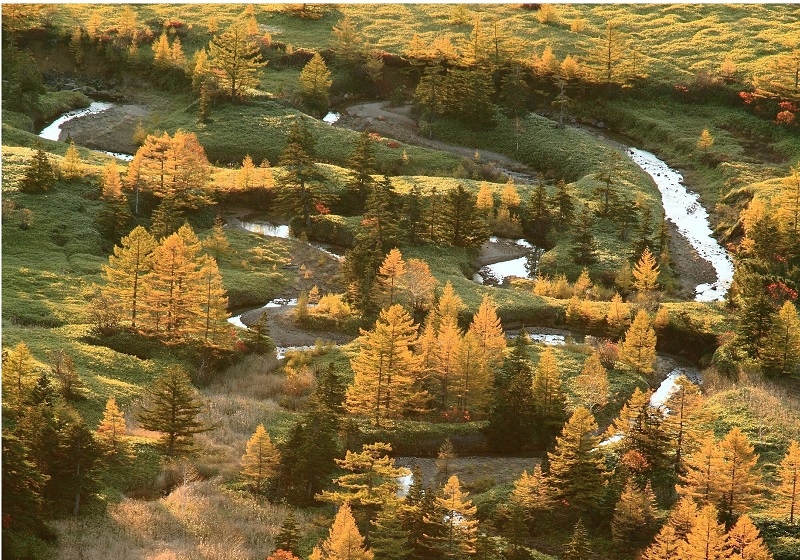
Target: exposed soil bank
[[111, 130]]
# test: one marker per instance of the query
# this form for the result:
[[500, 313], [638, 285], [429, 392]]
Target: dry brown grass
[[198, 521]]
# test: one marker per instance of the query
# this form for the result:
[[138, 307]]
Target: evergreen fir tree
[[39, 175], [563, 204], [577, 469], [461, 224], [584, 246], [288, 537], [389, 537], [632, 516], [511, 422], [173, 409], [362, 162], [641, 427]]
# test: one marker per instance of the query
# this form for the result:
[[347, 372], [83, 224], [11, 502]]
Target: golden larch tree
[[547, 390], [344, 542], [745, 542], [638, 350], [213, 304], [446, 366], [781, 353], [582, 285], [72, 166], [111, 433], [741, 481], [619, 316], [260, 461], [417, 286], [449, 305], [532, 493], [705, 141], [509, 195], [18, 373], [703, 480], [389, 274], [245, 178], [385, 367], [665, 546], [591, 384], [235, 59], [126, 270], [706, 540], [787, 494], [112, 185], [487, 332], [645, 273], [370, 483], [485, 203], [172, 297], [455, 510], [682, 516], [685, 420]]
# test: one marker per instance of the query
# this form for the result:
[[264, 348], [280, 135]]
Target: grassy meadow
[[149, 507]]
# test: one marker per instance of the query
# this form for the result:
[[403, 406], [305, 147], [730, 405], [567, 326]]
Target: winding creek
[[681, 207]]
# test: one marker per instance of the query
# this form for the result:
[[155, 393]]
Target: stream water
[[683, 208], [53, 130]]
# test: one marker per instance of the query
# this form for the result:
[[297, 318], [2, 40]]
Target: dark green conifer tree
[[563, 204], [539, 220], [300, 189], [461, 223], [511, 420], [362, 165], [173, 408], [39, 175], [288, 538], [584, 246]]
